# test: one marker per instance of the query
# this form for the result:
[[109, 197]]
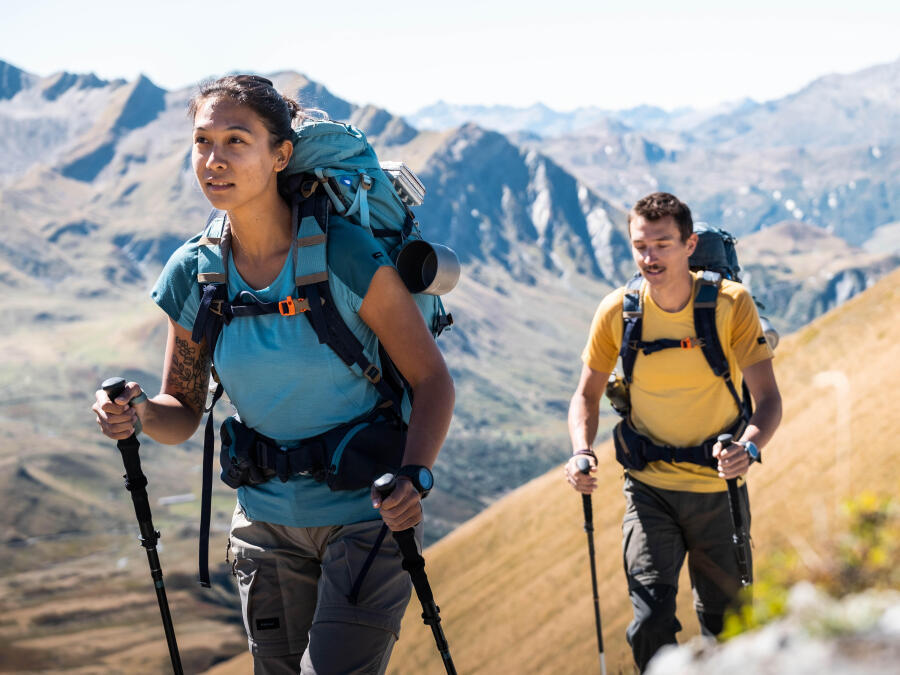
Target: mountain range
[[96, 191]]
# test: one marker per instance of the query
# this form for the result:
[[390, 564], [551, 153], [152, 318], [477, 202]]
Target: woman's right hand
[[117, 418]]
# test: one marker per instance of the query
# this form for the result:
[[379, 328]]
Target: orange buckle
[[287, 307], [216, 307], [688, 343]]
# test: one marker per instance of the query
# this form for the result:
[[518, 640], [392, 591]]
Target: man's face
[[658, 250]]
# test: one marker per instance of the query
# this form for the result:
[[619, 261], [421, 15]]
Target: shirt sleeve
[[747, 340], [177, 291], [602, 349], [354, 256]]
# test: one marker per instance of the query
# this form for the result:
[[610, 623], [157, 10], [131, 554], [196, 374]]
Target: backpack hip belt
[[634, 450], [347, 457]]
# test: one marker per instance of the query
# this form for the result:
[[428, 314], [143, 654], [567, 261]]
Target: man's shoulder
[[612, 301], [734, 293]]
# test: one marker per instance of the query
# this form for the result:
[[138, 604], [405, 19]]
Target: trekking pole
[[414, 563], [584, 466], [136, 484], [740, 537]]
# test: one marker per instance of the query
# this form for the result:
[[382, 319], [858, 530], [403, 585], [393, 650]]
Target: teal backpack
[[333, 170]]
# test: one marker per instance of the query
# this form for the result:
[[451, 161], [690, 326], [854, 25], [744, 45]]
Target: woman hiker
[[298, 544]]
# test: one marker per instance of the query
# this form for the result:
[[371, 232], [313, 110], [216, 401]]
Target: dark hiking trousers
[[659, 528]]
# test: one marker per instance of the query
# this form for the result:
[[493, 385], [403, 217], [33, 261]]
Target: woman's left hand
[[402, 509]]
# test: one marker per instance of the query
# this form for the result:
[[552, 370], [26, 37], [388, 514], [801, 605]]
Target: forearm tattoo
[[188, 377]]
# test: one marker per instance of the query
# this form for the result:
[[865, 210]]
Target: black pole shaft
[[584, 467], [414, 564], [136, 484], [739, 537]]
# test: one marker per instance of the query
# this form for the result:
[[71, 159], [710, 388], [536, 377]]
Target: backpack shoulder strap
[[210, 261], [632, 317], [311, 278], [705, 300], [213, 282]]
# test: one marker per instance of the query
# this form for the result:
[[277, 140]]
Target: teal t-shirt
[[282, 382]]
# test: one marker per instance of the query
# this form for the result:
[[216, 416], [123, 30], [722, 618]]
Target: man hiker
[[675, 489]]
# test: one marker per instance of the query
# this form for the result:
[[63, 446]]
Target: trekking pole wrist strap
[[584, 451]]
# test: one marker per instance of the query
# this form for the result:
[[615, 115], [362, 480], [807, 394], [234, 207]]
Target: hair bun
[[294, 108]]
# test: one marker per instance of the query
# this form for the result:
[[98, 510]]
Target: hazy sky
[[403, 54]]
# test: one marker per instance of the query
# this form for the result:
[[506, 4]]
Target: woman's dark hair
[[661, 205], [277, 112]]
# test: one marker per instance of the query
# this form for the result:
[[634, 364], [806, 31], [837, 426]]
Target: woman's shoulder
[[178, 278], [185, 256]]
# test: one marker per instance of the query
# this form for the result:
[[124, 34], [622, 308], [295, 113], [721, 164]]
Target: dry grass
[[513, 583]]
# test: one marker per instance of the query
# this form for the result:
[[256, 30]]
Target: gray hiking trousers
[[659, 528], [294, 584]]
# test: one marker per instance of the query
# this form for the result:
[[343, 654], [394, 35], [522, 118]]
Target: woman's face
[[233, 156]]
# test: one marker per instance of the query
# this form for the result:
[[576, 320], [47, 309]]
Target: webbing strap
[[311, 250], [323, 175], [632, 315], [360, 200], [211, 315], [705, 325], [643, 447], [336, 334], [210, 263], [206, 494], [353, 597]]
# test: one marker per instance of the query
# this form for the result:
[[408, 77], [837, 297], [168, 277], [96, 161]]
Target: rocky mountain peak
[[56, 85], [493, 201], [143, 102], [13, 80], [381, 126]]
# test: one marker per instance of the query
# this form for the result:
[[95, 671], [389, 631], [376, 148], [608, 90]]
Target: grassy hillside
[[513, 583]]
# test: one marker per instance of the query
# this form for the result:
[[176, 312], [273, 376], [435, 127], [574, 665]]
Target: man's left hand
[[733, 460]]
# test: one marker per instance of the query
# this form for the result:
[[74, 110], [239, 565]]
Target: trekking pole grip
[[584, 466], [726, 440], [135, 481], [384, 485]]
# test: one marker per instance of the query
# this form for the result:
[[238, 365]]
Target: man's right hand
[[581, 482]]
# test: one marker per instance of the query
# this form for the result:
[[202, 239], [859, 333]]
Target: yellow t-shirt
[[675, 397]]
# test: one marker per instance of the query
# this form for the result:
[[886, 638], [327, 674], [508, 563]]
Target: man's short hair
[[660, 205]]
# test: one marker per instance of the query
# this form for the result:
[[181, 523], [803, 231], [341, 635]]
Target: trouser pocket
[[278, 599]]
